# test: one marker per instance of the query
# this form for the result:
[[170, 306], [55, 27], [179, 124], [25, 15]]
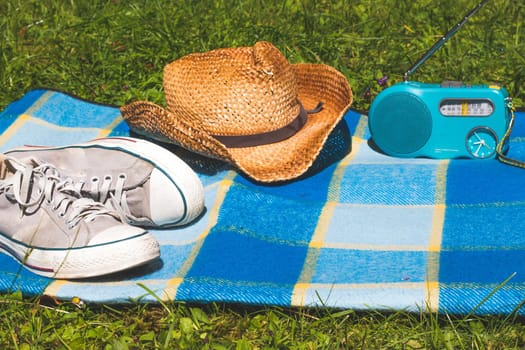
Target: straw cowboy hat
[[247, 106]]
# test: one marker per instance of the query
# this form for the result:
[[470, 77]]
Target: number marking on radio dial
[[466, 108]]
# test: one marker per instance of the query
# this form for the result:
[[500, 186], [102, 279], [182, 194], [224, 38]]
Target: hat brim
[[279, 161]]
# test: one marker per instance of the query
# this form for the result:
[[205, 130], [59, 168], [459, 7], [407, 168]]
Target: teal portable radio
[[447, 120]]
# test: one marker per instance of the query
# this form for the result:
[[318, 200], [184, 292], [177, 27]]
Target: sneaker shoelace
[[115, 199], [30, 185]]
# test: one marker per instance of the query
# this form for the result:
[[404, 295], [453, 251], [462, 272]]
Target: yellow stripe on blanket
[[173, 284], [24, 117], [436, 236], [13, 128], [334, 190]]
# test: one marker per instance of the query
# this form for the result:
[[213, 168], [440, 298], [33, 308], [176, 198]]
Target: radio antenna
[[442, 41]]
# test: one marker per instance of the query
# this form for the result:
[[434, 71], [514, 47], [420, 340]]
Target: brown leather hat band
[[239, 141]]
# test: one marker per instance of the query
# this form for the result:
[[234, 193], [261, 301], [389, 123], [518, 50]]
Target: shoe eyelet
[[108, 178], [122, 176], [94, 179]]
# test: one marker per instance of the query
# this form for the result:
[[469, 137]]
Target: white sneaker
[[146, 183], [53, 231]]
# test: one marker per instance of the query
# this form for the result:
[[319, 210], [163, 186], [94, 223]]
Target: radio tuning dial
[[481, 142], [466, 108]]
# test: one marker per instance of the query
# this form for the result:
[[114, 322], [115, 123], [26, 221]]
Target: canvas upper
[[49, 227], [146, 183]]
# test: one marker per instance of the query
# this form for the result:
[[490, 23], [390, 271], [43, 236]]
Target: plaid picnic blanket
[[364, 232]]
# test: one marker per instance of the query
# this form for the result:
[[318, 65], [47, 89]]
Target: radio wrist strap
[[503, 142]]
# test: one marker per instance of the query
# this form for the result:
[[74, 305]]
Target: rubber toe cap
[[175, 202]]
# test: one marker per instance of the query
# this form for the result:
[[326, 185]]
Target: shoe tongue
[[5, 168], [10, 165]]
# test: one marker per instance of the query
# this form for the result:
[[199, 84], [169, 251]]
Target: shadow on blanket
[[337, 146]]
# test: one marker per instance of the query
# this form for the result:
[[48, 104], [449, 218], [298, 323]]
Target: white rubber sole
[[84, 262], [180, 174]]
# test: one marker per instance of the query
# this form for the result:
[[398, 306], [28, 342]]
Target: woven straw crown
[[233, 92], [253, 96]]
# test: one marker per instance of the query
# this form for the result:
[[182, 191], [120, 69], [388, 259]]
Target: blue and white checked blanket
[[367, 232]]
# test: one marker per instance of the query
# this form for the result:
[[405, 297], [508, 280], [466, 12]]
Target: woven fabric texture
[[361, 230]]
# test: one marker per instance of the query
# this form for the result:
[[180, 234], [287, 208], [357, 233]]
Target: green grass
[[113, 52], [45, 325]]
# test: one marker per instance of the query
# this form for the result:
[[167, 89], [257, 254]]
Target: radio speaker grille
[[401, 124]]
